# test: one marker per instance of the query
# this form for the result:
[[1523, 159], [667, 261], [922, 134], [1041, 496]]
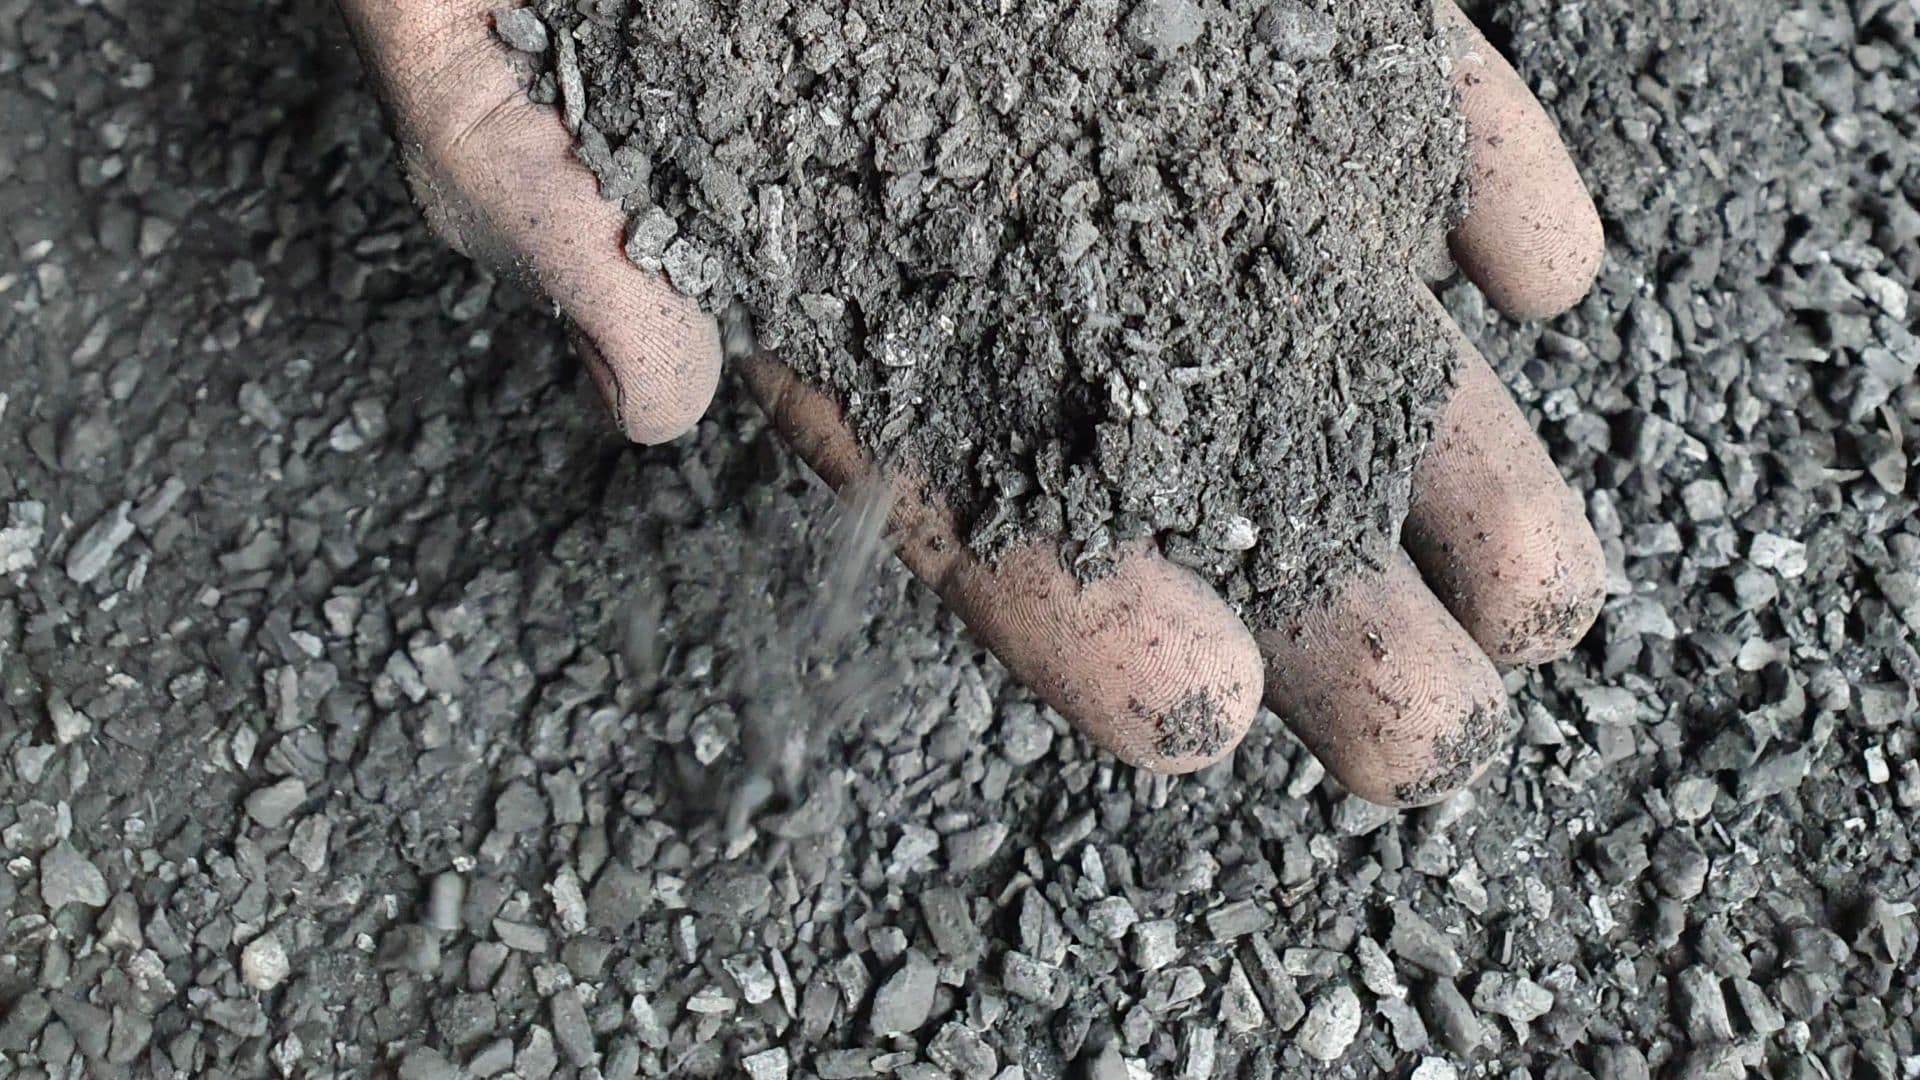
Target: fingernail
[[612, 395]]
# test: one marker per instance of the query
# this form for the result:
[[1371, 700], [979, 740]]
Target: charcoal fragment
[[68, 877], [1331, 1024], [905, 998], [521, 29]]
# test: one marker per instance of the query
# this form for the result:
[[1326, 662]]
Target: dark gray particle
[[1331, 1024], [845, 1064], [648, 237], [1404, 1021], [1237, 919], [950, 923], [1162, 28], [1757, 1007], [1621, 855], [1111, 917], [520, 937], [1024, 734], [729, 889], [566, 70], [26, 526], [68, 877], [1025, 977], [88, 1024], [1692, 799], [536, 1056], [263, 963], [1192, 727], [1678, 865], [492, 1060], [411, 947], [24, 1019], [1297, 32], [444, 900], [93, 552], [1241, 1011], [240, 1017], [519, 809], [1616, 1061], [750, 974], [1274, 985], [1777, 774], [132, 1031], [1515, 997], [426, 1063], [1450, 1017], [521, 29], [1703, 1006], [1418, 942], [571, 1030], [618, 898], [1459, 753], [464, 1020], [971, 849], [1155, 944], [1358, 817], [959, 1049], [272, 805], [766, 1065]]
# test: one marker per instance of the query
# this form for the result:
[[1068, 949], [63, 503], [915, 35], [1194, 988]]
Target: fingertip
[[1502, 540], [497, 175], [683, 399], [1182, 736], [1148, 662], [1564, 588], [1470, 727], [1529, 591], [1536, 251], [1388, 691], [1200, 715], [656, 377], [1532, 239], [1478, 724]]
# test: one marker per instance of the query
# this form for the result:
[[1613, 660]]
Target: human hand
[[496, 177], [1393, 685]]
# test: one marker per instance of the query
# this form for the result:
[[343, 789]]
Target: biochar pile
[[327, 747], [1103, 270]]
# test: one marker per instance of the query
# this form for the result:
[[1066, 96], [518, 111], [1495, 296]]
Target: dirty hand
[[1393, 685]]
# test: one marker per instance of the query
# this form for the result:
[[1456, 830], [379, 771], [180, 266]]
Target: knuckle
[[1410, 732], [469, 124], [456, 163]]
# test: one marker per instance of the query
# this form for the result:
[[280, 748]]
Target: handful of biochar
[[1100, 270]]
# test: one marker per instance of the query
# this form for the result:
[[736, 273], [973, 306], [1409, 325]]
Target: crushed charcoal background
[[340, 735]]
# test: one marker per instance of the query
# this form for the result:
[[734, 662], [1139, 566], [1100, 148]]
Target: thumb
[[495, 175]]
